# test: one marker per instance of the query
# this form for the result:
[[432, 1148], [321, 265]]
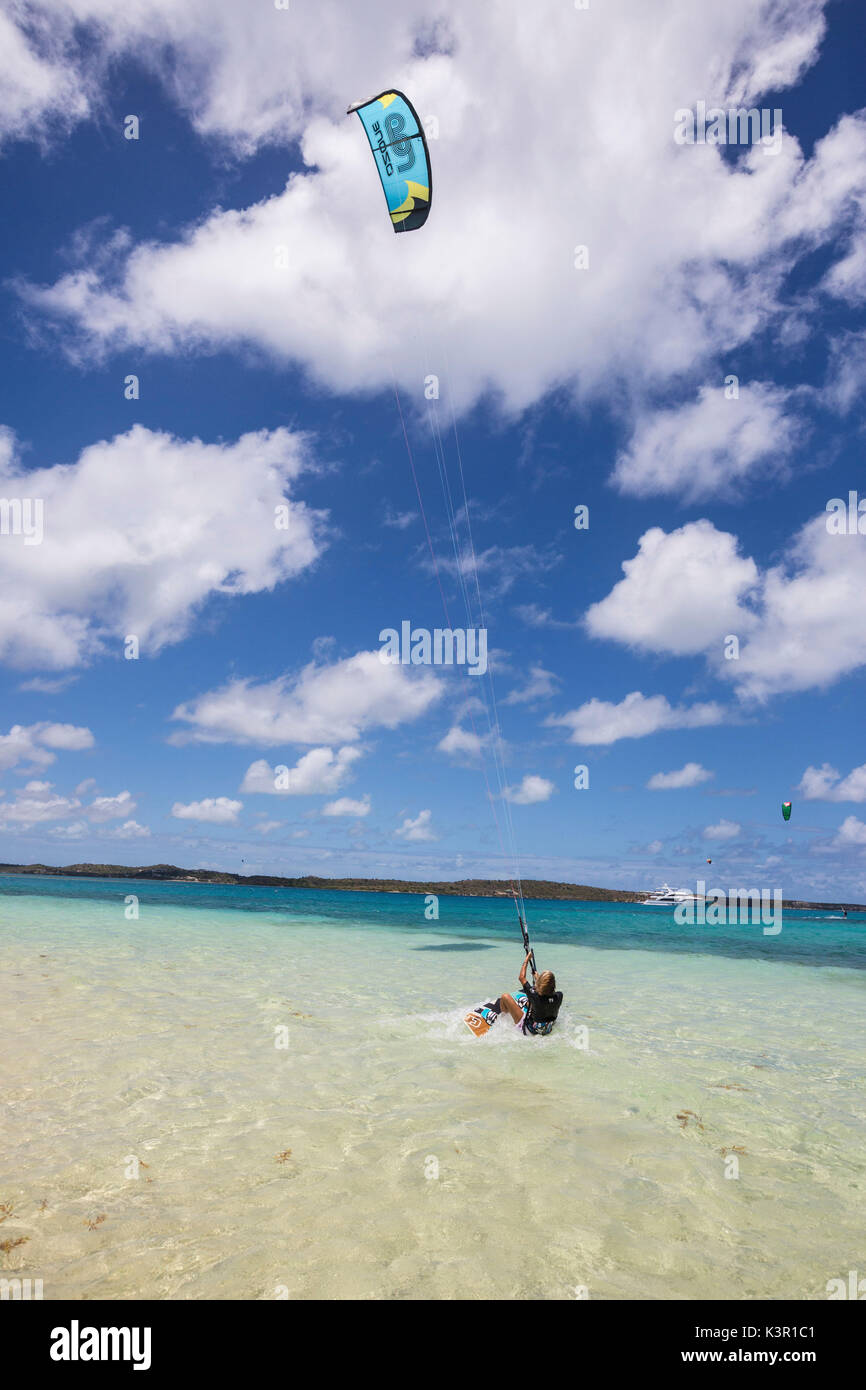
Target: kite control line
[[397, 141], [522, 920]]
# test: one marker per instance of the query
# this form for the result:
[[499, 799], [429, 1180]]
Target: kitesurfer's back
[[533, 1008]]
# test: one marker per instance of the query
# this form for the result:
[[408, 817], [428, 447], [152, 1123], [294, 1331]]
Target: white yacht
[[669, 897]]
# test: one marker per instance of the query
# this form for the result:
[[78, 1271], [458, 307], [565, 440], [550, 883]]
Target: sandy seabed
[[157, 1142]]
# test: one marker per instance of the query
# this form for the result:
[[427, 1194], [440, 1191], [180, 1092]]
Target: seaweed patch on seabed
[[6, 1209], [7, 1245], [459, 946], [92, 1225], [734, 1149], [687, 1117], [284, 1156], [728, 1086]]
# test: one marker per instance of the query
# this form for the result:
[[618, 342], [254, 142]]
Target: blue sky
[[559, 386]]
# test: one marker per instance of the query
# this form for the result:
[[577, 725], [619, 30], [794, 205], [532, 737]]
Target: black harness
[[543, 1008]]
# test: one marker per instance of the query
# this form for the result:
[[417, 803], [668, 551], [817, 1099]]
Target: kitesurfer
[[534, 1007]]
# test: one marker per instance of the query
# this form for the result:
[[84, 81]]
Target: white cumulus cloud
[[682, 592], [636, 716], [692, 775], [706, 447], [419, 828], [723, 830], [140, 532], [42, 85], [851, 832], [800, 624], [345, 806], [323, 704], [824, 783], [459, 740], [812, 617], [531, 790], [316, 773], [105, 808], [36, 804], [698, 246], [36, 745], [40, 803], [130, 830], [215, 810]]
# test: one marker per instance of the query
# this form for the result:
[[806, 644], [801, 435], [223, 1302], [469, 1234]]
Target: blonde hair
[[546, 982]]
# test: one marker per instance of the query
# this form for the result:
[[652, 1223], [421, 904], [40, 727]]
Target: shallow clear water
[[424, 1163]]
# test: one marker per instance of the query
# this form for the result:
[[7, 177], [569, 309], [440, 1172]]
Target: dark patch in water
[[460, 946]]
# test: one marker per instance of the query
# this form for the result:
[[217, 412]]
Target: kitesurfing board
[[479, 1021]]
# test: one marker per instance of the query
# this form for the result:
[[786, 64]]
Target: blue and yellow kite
[[401, 155]]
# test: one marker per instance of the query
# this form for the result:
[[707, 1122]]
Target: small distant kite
[[401, 155], [709, 861], [786, 810]]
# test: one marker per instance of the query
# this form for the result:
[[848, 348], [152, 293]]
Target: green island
[[533, 888]]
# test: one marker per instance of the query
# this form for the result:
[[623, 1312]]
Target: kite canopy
[[786, 810], [401, 155]]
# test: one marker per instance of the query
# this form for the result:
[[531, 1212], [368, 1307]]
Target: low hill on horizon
[[533, 888]]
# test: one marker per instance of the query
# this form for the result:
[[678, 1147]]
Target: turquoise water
[[158, 1142], [807, 938]]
